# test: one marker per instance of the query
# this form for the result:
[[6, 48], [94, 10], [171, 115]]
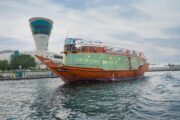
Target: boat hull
[[75, 74], [71, 74]]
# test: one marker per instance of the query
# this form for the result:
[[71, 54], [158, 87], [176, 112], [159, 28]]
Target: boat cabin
[[72, 45], [76, 45]]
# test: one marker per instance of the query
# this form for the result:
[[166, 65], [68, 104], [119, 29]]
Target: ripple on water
[[155, 96]]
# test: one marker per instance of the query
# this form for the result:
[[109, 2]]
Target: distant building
[[57, 58], [6, 54], [41, 30]]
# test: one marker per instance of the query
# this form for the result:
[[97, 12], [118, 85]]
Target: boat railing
[[81, 45], [107, 49]]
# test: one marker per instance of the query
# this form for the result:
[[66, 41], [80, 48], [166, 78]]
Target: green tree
[[25, 61], [3, 65]]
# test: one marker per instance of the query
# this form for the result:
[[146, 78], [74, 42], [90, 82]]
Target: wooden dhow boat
[[93, 61]]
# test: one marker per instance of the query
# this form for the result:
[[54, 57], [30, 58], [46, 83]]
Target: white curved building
[[57, 58]]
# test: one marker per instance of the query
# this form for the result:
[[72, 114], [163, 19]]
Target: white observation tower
[[41, 30]]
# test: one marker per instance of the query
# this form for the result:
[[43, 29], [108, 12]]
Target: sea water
[[156, 96]]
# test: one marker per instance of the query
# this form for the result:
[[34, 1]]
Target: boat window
[[69, 41], [70, 44], [58, 57]]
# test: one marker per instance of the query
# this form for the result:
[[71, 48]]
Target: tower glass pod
[[41, 30]]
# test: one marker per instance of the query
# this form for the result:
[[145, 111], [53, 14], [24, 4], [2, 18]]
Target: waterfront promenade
[[12, 75], [164, 68]]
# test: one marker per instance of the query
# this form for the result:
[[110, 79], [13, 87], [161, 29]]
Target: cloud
[[174, 31], [9, 43], [149, 26]]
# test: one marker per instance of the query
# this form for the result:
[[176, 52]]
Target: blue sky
[[151, 26]]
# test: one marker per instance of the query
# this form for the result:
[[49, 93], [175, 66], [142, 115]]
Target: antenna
[[67, 34]]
